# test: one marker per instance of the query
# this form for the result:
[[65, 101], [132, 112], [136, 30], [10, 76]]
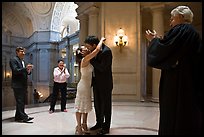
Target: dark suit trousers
[[103, 107], [62, 87], [20, 95]]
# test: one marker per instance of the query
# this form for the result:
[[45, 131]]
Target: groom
[[102, 82]]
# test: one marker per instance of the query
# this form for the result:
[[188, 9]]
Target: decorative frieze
[[56, 22]]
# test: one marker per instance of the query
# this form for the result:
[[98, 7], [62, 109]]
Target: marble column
[[93, 21], [83, 20], [158, 26]]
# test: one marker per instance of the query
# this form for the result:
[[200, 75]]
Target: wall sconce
[[40, 94], [121, 39], [8, 75]]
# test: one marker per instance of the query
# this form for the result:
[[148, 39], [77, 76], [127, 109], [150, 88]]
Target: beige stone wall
[[8, 99], [126, 63], [7, 95]]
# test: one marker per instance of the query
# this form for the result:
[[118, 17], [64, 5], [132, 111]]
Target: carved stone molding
[[92, 10], [82, 17], [41, 8], [55, 23]]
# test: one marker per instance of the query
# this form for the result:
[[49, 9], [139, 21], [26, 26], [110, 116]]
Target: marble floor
[[128, 118]]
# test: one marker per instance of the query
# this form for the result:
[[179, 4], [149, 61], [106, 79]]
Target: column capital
[[82, 17], [92, 10], [158, 7]]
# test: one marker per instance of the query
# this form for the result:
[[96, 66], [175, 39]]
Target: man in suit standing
[[19, 83], [102, 82]]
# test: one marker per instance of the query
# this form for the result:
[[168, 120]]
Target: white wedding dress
[[83, 96]]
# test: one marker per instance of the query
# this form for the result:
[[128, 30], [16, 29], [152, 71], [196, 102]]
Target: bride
[[83, 103]]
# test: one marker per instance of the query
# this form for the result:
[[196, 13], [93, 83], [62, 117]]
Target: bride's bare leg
[[78, 127], [84, 124]]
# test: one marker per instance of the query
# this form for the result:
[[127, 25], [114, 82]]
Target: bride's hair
[[78, 55]]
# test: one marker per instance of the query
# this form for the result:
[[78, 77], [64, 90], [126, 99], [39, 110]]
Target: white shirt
[[60, 76], [23, 63]]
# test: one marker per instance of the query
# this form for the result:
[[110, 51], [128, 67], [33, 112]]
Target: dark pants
[[103, 107], [62, 87], [20, 96]]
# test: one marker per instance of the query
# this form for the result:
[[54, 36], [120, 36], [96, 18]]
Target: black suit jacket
[[102, 64], [19, 74]]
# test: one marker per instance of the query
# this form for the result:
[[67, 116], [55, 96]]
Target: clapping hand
[[29, 67], [150, 35], [64, 69]]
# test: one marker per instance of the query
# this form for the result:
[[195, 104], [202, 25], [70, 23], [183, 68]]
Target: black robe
[[178, 55]]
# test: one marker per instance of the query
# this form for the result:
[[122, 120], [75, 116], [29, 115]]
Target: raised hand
[[150, 35], [29, 67], [103, 39]]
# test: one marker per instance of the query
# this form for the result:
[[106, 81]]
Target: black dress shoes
[[96, 127], [103, 131], [27, 120]]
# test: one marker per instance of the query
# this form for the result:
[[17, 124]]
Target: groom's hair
[[91, 40]]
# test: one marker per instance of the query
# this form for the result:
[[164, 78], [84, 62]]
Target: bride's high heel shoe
[[85, 128], [78, 130]]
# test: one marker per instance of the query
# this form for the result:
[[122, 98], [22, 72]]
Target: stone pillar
[[158, 26], [93, 21], [69, 62], [9, 34], [83, 20]]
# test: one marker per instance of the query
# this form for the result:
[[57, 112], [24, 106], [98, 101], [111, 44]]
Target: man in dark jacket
[[19, 83], [178, 55], [102, 82]]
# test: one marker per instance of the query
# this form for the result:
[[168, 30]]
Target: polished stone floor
[[128, 118]]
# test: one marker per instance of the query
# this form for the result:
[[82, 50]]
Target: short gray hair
[[185, 11]]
